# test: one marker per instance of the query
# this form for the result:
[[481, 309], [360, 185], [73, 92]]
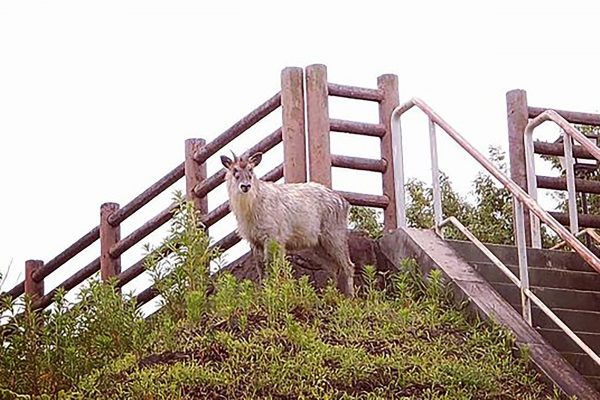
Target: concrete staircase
[[561, 279], [564, 282]]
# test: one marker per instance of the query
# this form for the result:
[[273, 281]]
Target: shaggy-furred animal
[[297, 216]]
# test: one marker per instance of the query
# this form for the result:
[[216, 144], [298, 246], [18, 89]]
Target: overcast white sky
[[97, 98]]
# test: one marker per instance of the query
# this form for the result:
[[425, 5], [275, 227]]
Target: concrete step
[[564, 260], [431, 252], [554, 298], [577, 320], [561, 342], [544, 277], [583, 363], [594, 380]]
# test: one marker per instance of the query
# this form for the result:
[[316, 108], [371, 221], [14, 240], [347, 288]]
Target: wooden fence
[[519, 113], [299, 132]]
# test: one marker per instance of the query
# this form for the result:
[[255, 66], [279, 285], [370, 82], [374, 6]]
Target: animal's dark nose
[[245, 188]]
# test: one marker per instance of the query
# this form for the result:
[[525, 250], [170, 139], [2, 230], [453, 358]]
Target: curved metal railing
[[571, 134], [520, 198]]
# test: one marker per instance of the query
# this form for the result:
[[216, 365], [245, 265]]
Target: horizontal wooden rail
[[135, 270], [274, 175], [67, 254], [165, 215], [354, 92], [556, 183], [224, 244], [150, 226], [585, 220], [227, 242], [16, 291], [364, 164], [208, 220], [210, 184], [358, 128], [366, 200], [217, 178], [138, 268], [69, 283], [558, 149], [150, 193], [93, 235], [223, 209], [238, 128], [146, 295], [216, 215], [147, 195], [573, 117]]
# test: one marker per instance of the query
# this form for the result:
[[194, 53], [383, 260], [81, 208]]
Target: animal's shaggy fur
[[297, 216]]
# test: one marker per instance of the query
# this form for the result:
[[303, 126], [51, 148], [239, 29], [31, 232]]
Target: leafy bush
[[46, 351], [286, 340], [216, 337], [366, 220], [181, 278]]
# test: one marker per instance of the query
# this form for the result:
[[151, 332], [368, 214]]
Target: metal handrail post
[[435, 177], [568, 331], [570, 170], [536, 235], [398, 158], [522, 254]]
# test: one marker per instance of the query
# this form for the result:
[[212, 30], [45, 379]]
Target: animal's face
[[240, 171]]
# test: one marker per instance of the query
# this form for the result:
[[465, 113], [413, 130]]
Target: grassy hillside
[[218, 338]]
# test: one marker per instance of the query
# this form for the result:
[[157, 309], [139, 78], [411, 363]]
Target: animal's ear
[[256, 158], [226, 161]]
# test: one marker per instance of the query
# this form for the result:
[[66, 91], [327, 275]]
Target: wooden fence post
[[194, 174], [109, 235], [294, 139], [518, 117], [317, 112], [33, 288], [388, 84]]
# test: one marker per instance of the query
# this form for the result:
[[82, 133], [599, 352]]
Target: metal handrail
[[571, 134], [587, 231], [520, 197], [508, 183], [538, 302]]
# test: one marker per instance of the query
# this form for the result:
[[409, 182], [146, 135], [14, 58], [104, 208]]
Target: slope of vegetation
[[219, 338]]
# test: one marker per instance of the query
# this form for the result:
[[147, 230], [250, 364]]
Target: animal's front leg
[[258, 254]]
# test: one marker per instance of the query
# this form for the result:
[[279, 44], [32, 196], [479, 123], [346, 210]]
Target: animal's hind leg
[[336, 247]]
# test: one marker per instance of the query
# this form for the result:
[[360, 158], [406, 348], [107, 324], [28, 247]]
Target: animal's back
[[296, 212]]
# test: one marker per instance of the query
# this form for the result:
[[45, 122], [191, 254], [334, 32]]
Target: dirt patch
[[166, 358]]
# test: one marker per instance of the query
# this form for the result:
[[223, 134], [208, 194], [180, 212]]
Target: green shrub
[[286, 340], [181, 278], [46, 351], [217, 337]]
